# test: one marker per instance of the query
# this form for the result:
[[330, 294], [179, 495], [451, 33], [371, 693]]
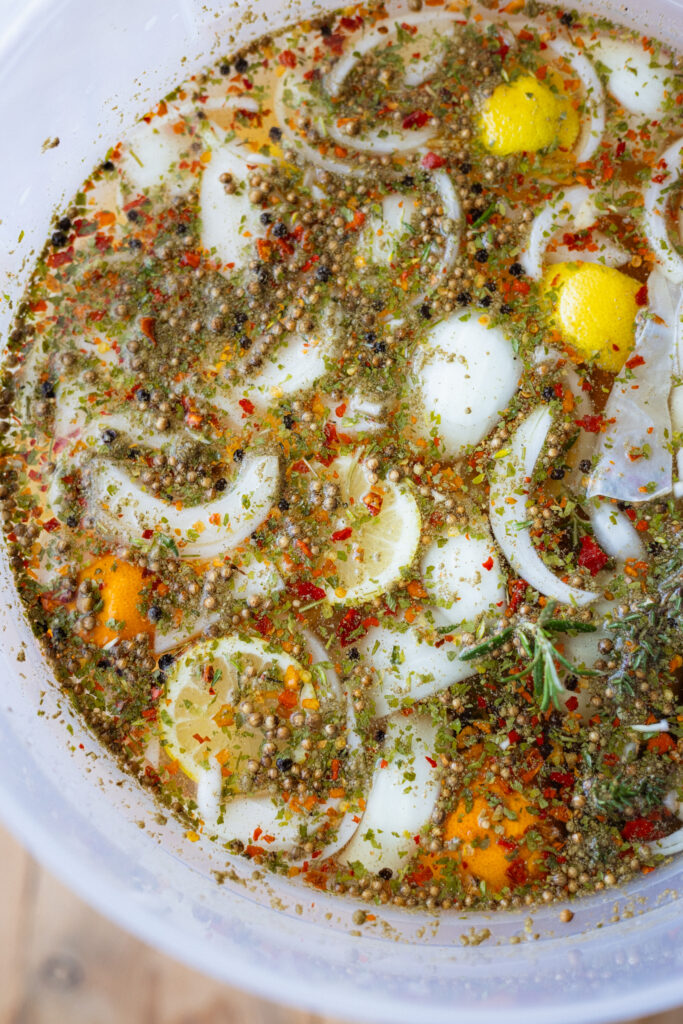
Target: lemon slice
[[376, 532], [201, 722]]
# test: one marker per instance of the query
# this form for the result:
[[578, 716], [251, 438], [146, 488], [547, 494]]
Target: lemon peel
[[594, 308], [527, 115]]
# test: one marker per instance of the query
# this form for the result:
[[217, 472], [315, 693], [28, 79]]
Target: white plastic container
[[82, 70]]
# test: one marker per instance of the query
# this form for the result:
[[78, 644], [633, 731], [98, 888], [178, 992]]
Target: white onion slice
[[634, 83], [229, 222], [123, 508], [593, 121], [465, 374], [562, 210], [241, 817], [150, 154], [509, 489], [331, 688], [382, 140], [615, 533], [655, 211], [637, 411], [609, 253], [188, 630], [362, 414], [402, 797], [290, 367], [408, 667], [463, 576], [300, 95], [668, 846], [661, 726]]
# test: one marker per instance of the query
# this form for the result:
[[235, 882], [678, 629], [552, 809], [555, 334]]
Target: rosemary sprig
[[535, 640], [643, 634]]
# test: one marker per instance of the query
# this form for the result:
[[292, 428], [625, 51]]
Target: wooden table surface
[[62, 963]]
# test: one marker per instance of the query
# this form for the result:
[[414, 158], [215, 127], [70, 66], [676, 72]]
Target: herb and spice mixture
[[341, 453]]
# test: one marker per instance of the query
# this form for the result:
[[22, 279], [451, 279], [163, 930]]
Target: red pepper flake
[[147, 534], [59, 259], [51, 525], [635, 361], [488, 564], [562, 778], [591, 556], [641, 296], [330, 434], [420, 875], [517, 590], [342, 534], [147, 328], [300, 467], [245, 404], [340, 410], [417, 119], [507, 844], [431, 761], [334, 775], [514, 736], [264, 626], [660, 743], [481, 701], [517, 872], [621, 148], [351, 628], [287, 58], [571, 704], [593, 424], [430, 161], [190, 259], [645, 829], [335, 42], [307, 591]]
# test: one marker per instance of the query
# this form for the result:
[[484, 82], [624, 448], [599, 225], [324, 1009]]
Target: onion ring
[[655, 212], [509, 489]]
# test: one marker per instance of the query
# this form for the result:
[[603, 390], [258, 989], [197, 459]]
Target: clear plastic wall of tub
[[82, 72]]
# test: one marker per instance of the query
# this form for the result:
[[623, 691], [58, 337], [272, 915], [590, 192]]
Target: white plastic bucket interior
[[83, 71]]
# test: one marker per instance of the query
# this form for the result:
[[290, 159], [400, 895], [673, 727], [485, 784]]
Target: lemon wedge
[[201, 723], [376, 532], [527, 115], [595, 309]]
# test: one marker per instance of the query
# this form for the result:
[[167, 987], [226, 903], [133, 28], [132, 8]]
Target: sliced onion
[[380, 35], [462, 573], [668, 846], [402, 798], [189, 629], [229, 222], [655, 212], [593, 128], [609, 253], [122, 508], [293, 82], [661, 726], [241, 817], [362, 414], [615, 533], [408, 667], [563, 209], [290, 367], [331, 688], [637, 411], [509, 489]]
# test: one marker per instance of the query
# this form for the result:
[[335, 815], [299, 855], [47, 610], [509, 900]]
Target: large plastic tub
[[82, 71]]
